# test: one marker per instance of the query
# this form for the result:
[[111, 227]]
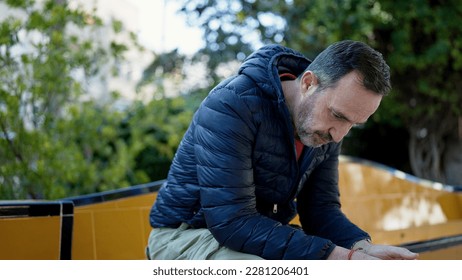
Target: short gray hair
[[342, 57]]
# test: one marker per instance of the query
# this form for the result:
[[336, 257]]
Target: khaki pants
[[185, 243]]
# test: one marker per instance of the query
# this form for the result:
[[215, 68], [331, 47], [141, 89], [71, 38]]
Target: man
[[264, 146]]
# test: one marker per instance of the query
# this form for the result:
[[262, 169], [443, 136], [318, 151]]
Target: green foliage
[[157, 135], [419, 39], [36, 85], [53, 144], [424, 53], [237, 27]]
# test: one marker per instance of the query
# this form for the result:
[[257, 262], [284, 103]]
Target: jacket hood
[[266, 64]]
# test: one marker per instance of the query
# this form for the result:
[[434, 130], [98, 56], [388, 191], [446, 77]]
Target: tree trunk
[[453, 159], [431, 155]]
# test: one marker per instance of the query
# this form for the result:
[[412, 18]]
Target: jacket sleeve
[[319, 208], [224, 137]]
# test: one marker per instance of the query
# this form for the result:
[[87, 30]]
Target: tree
[[418, 38], [163, 130], [41, 53], [55, 139], [422, 45]]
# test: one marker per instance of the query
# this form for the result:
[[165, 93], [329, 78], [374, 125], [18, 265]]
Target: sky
[[162, 29]]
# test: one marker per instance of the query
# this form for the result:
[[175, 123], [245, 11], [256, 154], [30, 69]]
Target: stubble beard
[[303, 125]]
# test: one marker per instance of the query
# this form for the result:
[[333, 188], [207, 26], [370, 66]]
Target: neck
[[291, 91]]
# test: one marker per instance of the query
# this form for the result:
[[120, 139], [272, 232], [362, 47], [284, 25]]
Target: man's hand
[[365, 250], [384, 252]]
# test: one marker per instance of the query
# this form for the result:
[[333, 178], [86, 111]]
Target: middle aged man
[[264, 146]]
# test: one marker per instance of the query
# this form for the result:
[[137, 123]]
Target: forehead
[[350, 98]]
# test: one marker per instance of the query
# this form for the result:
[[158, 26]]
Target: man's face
[[324, 116]]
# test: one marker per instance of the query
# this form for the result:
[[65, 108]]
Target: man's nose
[[339, 131]]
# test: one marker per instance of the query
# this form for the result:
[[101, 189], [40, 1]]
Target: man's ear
[[308, 80]]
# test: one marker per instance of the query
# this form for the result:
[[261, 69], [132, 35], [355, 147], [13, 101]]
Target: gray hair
[[342, 57]]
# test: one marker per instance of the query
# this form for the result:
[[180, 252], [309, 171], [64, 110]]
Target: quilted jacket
[[236, 173]]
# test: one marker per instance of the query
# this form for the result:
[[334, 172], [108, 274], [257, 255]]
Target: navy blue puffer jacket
[[236, 173]]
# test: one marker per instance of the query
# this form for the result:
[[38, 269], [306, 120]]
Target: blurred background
[[96, 95]]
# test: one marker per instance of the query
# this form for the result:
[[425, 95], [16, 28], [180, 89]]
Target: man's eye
[[337, 116]]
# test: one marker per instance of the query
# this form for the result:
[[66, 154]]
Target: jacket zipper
[[296, 189]]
